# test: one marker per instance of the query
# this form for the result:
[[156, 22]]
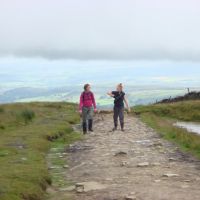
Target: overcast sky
[[101, 29]]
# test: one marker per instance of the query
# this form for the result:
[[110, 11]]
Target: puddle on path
[[190, 126]]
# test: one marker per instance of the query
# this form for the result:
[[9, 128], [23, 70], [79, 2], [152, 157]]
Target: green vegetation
[[161, 117], [26, 115], [27, 133], [185, 111]]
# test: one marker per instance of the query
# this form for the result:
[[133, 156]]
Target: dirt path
[[135, 164]]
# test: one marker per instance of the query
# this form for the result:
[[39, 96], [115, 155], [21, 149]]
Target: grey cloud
[[101, 30]]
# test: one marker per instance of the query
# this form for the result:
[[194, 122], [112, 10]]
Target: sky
[[156, 35]]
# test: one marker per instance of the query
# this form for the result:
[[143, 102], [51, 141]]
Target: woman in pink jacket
[[87, 107]]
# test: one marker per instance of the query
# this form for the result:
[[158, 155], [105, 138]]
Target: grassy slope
[[162, 116], [25, 132]]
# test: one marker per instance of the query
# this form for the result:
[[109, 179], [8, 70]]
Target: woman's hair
[[85, 86], [120, 85]]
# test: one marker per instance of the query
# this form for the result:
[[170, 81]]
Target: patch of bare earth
[[135, 164]]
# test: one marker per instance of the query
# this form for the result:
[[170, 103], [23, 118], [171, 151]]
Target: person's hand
[[80, 111], [110, 94], [95, 110], [129, 110]]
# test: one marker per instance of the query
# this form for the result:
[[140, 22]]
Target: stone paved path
[[135, 164]]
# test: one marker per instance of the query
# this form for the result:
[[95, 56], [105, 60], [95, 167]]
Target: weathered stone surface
[[89, 186], [51, 190], [121, 153], [70, 188], [102, 176], [124, 163], [185, 186], [130, 197], [79, 187], [155, 164], [170, 175], [172, 159], [143, 164]]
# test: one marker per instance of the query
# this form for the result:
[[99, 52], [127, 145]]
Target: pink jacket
[[87, 100]]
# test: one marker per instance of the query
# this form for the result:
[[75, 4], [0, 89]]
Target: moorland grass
[[185, 110], [161, 117], [27, 131]]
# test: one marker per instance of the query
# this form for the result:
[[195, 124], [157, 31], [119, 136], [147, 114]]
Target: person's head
[[87, 87], [119, 87]]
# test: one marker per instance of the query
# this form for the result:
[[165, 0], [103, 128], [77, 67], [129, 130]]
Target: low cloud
[[101, 30]]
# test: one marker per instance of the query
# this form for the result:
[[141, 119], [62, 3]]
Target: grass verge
[[185, 110], [161, 117], [27, 132]]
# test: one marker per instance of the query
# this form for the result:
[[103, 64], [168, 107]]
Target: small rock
[[68, 189], [170, 175], [187, 181], [61, 156], [51, 190], [130, 197], [157, 181], [185, 186], [79, 187], [172, 159], [155, 164], [109, 179], [89, 186], [157, 144], [121, 153], [132, 193], [144, 164], [86, 174], [53, 167], [66, 166], [124, 163]]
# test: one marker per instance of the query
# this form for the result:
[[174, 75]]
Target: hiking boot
[[84, 128], [114, 129], [122, 127], [90, 123]]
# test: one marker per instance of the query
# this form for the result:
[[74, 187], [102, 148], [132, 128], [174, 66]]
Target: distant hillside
[[137, 95], [189, 96]]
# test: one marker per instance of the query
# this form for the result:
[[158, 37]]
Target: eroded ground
[[135, 164]]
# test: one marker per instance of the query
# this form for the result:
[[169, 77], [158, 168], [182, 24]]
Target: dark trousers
[[118, 113]]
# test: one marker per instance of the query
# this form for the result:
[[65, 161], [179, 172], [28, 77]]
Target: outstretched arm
[[110, 94], [127, 104]]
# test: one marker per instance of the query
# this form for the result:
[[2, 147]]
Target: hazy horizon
[[49, 44]]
